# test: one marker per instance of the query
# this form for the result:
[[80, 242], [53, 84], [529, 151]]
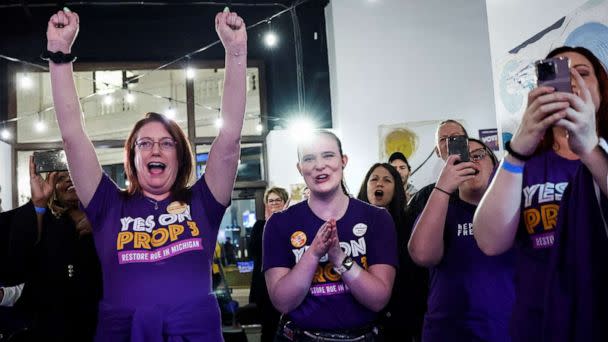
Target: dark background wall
[[112, 32]]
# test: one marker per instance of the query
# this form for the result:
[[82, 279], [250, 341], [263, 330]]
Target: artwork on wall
[[489, 137], [587, 26], [296, 193], [416, 140]]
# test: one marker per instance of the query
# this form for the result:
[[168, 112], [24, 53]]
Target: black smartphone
[[48, 161], [554, 72], [459, 144]]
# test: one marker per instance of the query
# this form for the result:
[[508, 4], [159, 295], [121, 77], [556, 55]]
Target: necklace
[[153, 202]]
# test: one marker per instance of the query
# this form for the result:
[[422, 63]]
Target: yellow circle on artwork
[[401, 140], [298, 239]]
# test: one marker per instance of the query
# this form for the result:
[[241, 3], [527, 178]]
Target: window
[[208, 88]]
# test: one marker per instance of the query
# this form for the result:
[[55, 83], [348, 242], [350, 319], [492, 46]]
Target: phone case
[[49, 161], [554, 72], [459, 145]]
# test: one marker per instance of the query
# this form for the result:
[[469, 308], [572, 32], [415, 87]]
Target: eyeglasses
[[274, 200], [478, 154], [444, 138], [146, 144]]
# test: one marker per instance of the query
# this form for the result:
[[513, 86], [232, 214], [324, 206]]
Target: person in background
[[399, 162], [418, 277], [382, 187], [305, 193], [229, 252], [275, 199], [216, 270], [558, 133], [471, 294], [52, 252]]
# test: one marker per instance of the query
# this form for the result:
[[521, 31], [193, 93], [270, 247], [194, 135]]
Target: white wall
[[6, 165], [282, 155], [512, 22], [396, 61]]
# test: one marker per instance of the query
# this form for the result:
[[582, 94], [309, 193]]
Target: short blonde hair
[[277, 191]]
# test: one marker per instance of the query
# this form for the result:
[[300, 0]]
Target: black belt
[[292, 332]]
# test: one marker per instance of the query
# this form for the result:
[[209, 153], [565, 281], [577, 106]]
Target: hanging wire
[[298, 53]]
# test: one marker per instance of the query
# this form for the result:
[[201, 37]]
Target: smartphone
[[48, 161], [554, 72], [459, 144]]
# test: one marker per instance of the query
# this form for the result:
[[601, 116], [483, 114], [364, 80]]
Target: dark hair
[[399, 156], [57, 206], [278, 191], [185, 159], [488, 151], [339, 143], [396, 206], [601, 115]]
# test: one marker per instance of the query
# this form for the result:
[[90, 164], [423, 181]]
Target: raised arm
[[497, 216], [82, 160], [426, 244], [287, 287], [225, 151]]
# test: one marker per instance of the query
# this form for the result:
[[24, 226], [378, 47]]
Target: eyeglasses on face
[[478, 154], [274, 200], [146, 144], [443, 139]]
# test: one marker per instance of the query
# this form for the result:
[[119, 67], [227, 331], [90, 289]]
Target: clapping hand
[[322, 241]]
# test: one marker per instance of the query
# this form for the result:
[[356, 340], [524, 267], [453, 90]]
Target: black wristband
[[58, 57], [516, 155], [440, 189]]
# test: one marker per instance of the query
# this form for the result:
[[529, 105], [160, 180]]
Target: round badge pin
[[298, 239], [360, 229], [176, 207]]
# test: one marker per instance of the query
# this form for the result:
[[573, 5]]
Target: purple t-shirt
[[366, 233], [154, 252], [471, 294], [545, 178]]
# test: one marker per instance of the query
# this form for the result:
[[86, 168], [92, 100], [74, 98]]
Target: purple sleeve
[[276, 251], [106, 194], [382, 247], [214, 210]]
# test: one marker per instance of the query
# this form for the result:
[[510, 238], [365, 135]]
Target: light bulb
[[271, 39]]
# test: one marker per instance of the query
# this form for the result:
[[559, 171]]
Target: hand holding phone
[[459, 144], [41, 188], [48, 161]]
